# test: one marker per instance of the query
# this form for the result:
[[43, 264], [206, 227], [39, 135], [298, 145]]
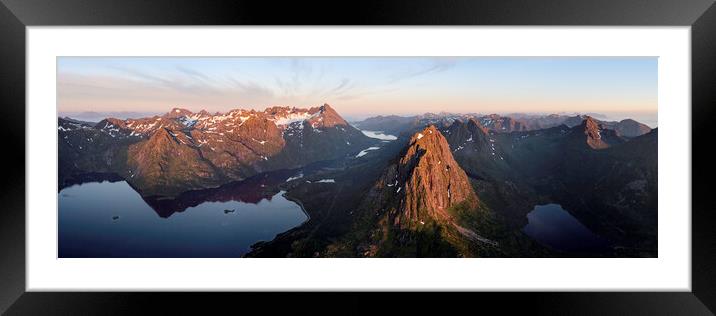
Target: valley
[[431, 185]]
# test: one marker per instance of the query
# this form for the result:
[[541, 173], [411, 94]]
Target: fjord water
[[554, 227], [110, 219]]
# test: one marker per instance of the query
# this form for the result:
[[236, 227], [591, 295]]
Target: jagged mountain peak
[[229, 122], [166, 154], [589, 121], [317, 117], [597, 136], [471, 134], [593, 132], [591, 128], [325, 116], [475, 126], [326, 107], [427, 180], [431, 132]]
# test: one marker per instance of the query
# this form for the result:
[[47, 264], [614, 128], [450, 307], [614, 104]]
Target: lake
[[554, 227], [110, 219]]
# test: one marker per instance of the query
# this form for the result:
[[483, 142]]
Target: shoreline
[[303, 209], [300, 204]]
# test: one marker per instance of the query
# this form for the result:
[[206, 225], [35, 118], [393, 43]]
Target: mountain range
[[449, 185], [395, 125], [180, 150]]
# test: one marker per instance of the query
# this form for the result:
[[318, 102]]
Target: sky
[[359, 87]]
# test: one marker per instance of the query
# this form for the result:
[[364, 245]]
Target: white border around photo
[[671, 271]]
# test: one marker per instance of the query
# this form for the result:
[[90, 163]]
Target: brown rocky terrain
[[406, 212], [418, 205], [454, 188], [427, 180], [598, 137], [181, 150]]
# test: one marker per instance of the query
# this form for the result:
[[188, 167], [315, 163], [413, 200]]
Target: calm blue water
[[110, 219], [552, 226]]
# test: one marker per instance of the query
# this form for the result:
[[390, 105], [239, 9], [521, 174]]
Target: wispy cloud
[[437, 66], [194, 73], [251, 89], [356, 85], [185, 80], [343, 85], [142, 75]]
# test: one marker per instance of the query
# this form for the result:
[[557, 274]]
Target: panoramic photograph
[[319, 157]]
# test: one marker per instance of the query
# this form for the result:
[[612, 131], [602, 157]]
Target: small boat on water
[[229, 211]]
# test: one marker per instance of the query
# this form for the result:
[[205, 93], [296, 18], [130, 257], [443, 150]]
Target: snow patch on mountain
[[187, 121], [379, 135], [298, 176], [365, 151], [291, 118]]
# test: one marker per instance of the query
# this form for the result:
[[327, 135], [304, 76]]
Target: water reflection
[[554, 227], [251, 190], [110, 219]]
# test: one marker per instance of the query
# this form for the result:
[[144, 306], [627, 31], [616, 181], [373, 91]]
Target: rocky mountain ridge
[[427, 180], [453, 187], [181, 150], [497, 123]]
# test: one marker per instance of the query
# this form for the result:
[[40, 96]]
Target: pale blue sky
[[360, 86]]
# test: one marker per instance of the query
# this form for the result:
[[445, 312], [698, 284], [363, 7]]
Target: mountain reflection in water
[[110, 219], [251, 190]]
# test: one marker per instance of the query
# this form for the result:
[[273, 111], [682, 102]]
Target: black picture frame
[[16, 15]]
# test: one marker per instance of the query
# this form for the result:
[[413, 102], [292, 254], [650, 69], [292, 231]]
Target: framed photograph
[[473, 147]]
